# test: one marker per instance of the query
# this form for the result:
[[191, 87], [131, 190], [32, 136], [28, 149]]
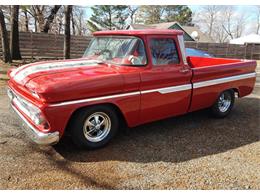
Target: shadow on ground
[[176, 139]]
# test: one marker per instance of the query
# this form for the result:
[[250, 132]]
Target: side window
[[164, 51]]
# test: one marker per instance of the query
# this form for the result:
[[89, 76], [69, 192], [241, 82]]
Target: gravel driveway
[[188, 152]]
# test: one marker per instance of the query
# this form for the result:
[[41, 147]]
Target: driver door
[[165, 86]]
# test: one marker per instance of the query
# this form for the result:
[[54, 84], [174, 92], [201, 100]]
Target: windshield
[[120, 50]]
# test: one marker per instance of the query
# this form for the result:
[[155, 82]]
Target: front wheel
[[223, 104], [94, 127]]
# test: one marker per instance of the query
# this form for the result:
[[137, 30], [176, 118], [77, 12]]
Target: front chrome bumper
[[35, 135]]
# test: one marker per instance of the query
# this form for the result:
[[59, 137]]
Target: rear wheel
[[94, 127], [224, 104]]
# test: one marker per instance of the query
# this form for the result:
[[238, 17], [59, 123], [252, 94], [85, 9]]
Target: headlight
[[33, 112]]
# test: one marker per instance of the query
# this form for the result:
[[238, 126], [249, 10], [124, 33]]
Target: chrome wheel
[[224, 102], [97, 126]]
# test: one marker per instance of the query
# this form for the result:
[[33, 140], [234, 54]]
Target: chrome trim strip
[[37, 136], [182, 47], [94, 99], [168, 89], [223, 80]]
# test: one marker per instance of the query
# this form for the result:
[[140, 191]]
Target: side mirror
[[135, 60]]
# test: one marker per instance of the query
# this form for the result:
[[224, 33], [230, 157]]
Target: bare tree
[[233, 24], [4, 37], [209, 15], [57, 26], [43, 16], [79, 20], [240, 23], [221, 22], [14, 35], [38, 14], [68, 10], [26, 20], [7, 11], [50, 18], [25, 17], [132, 12], [226, 22], [73, 21]]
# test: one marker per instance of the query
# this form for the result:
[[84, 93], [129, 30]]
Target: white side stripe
[[161, 90], [223, 80], [95, 99], [168, 89], [52, 66]]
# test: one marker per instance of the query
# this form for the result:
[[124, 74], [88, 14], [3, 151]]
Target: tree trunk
[[40, 19], [73, 24], [50, 18], [14, 36], [67, 32], [35, 24], [26, 20], [4, 37]]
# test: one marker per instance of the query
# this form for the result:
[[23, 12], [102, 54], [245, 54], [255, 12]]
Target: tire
[[224, 104], [87, 129]]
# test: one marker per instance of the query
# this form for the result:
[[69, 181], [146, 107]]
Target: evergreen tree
[[178, 13], [152, 14], [108, 17]]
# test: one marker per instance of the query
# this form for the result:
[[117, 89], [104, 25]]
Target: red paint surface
[[103, 79]]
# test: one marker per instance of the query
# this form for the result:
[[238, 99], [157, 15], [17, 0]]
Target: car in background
[[196, 52]]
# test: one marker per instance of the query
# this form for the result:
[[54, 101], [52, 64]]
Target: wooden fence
[[50, 46], [226, 50]]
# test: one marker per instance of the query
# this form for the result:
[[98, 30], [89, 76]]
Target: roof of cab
[[139, 32]]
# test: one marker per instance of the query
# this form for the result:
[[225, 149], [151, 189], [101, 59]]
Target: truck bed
[[213, 68], [213, 75], [198, 62]]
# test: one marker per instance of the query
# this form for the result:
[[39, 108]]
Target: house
[[252, 38], [191, 33]]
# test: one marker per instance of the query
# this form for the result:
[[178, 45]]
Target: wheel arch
[[236, 90], [122, 119]]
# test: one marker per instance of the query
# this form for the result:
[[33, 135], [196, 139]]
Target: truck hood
[[56, 81]]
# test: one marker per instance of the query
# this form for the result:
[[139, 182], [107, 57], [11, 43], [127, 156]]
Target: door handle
[[184, 70]]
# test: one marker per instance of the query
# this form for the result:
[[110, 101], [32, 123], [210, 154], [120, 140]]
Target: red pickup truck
[[130, 76]]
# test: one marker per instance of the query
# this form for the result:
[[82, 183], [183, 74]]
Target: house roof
[[167, 25], [252, 38], [202, 36], [164, 25]]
